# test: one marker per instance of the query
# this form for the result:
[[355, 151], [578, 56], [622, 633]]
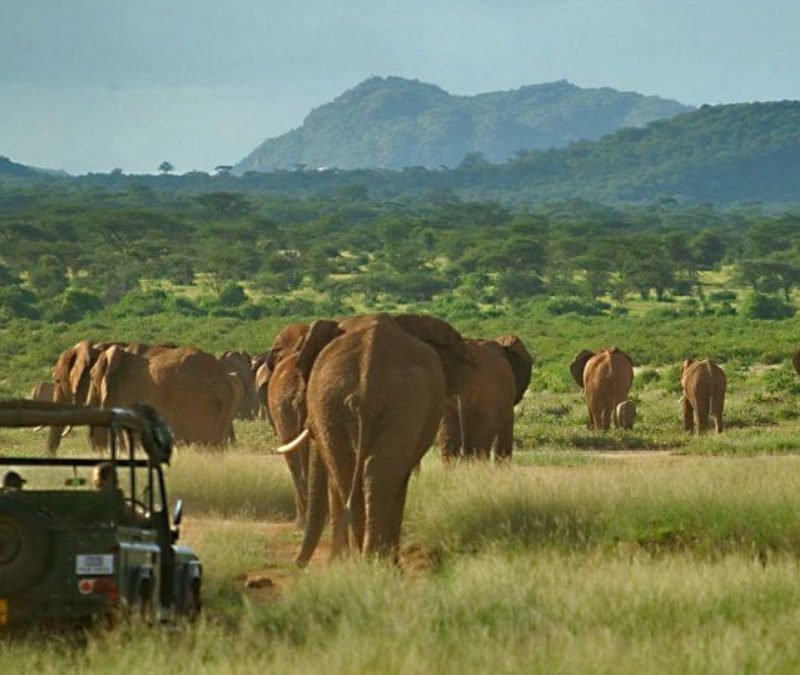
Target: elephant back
[[447, 342]]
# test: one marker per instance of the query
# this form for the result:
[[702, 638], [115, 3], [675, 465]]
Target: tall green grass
[[500, 612]]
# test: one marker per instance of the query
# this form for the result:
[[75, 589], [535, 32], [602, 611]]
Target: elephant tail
[[296, 444], [710, 372], [359, 468], [461, 427]]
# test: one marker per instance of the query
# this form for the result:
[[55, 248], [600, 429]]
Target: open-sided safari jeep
[[82, 536]]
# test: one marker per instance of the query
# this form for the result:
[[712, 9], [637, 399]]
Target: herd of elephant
[[356, 403]]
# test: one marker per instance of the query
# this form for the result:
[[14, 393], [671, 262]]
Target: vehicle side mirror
[[177, 516]]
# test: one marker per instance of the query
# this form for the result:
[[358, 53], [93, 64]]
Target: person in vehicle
[[12, 481], [104, 475]]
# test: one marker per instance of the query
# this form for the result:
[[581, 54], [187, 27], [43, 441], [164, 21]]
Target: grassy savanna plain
[[638, 551]]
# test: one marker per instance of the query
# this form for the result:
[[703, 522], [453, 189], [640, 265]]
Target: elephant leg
[[357, 517], [98, 438], [602, 417], [703, 409], [688, 415], [294, 460], [718, 405], [384, 495], [339, 526], [317, 509], [504, 444]]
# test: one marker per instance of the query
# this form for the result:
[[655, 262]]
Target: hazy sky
[[90, 85]]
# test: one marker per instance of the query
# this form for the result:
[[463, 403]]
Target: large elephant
[[44, 391], [606, 377], [704, 384], [480, 415], [189, 387], [71, 380], [240, 363], [376, 388], [286, 402]]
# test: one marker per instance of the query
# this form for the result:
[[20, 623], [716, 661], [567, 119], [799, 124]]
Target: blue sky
[[90, 85]]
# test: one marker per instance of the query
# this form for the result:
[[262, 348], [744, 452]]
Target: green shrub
[[524, 284], [647, 376], [726, 309], [559, 306], [231, 294], [724, 295], [760, 306], [142, 303], [16, 301], [71, 306]]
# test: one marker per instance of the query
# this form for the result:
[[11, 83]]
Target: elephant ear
[[262, 375], [287, 340], [106, 364], [578, 365], [446, 340], [61, 373], [85, 356], [521, 363], [308, 348]]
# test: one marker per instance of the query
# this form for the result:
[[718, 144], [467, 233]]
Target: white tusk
[[39, 428], [295, 444], [67, 429]]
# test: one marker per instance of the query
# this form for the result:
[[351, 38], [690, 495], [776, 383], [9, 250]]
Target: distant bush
[[71, 306], [726, 309], [559, 306], [647, 376], [670, 378], [663, 313], [760, 306], [723, 296], [16, 301], [142, 303], [231, 294], [514, 285]]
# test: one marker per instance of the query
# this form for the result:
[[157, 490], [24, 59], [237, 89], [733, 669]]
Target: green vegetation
[[646, 550], [71, 256]]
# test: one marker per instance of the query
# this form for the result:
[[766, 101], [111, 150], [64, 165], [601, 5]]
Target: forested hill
[[718, 154], [721, 154], [9, 168], [395, 123]]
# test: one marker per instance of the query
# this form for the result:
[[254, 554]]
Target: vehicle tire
[[143, 597], [191, 600], [23, 550]]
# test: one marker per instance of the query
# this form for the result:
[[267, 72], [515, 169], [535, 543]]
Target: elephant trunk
[[317, 509]]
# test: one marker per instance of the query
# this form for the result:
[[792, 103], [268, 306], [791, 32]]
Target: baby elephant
[[625, 414], [703, 383]]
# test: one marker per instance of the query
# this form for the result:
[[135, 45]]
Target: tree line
[[68, 253]]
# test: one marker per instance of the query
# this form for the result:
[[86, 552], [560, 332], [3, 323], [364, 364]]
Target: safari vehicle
[[71, 547]]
